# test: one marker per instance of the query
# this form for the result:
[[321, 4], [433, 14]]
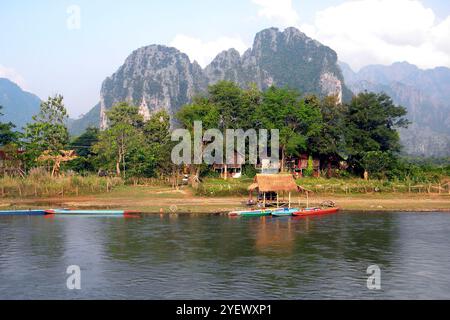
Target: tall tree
[[296, 120], [371, 123], [157, 137], [329, 143], [227, 97], [7, 135], [48, 130], [201, 109], [124, 135]]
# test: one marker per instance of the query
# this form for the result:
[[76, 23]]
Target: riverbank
[[164, 199]]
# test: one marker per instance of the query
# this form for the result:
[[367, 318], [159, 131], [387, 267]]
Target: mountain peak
[[166, 79]]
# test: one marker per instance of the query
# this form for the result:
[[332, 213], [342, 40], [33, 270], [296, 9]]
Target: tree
[[122, 139], [48, 131], [297, 120], [371, 123], [157, 137], [329, 143], [83, 145], [201, 109], [226, 96], [376, 163], [7, 135]]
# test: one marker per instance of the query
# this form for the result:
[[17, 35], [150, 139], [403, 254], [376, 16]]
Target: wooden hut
[[276, 184]]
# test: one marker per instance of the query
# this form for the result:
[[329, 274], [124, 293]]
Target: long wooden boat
[[23, 213], [286, 212], [251, 213], [90, 212], [315, 212]]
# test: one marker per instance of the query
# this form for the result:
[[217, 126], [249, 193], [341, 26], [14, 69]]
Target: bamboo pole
[[307, 199], [289, 199]]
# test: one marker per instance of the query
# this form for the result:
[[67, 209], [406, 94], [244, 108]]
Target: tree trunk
[[118, 168], [283, 159]]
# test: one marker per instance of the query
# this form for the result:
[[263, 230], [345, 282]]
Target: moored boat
[[315, 211], [90, 212], [23, 213], [251, 213], [284, 212]]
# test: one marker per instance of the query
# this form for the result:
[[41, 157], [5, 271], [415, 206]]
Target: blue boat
[[23, 213], [285, 212], [89, 212]]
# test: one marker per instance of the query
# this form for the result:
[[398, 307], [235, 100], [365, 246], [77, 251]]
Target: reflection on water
[[211, 257]]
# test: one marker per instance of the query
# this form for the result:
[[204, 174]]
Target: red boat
[[315, 212]]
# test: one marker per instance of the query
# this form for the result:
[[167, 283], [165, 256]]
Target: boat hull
[[315, 212], [284, 212], [23, 213], [90, 212], [253, 213]]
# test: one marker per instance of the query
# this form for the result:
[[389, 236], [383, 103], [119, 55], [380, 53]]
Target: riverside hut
[[271, 186]]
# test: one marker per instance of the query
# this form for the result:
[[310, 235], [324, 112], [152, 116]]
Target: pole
[[278, 202], [289, 199], [307, 199]]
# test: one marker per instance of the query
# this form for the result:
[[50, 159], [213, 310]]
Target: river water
[[216, 257]]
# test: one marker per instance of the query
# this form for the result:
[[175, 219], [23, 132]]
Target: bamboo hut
[[276, 184]]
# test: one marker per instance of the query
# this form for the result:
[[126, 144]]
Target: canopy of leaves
[[7, 134]]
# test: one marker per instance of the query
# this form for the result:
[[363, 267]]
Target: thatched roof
[[274, 183]]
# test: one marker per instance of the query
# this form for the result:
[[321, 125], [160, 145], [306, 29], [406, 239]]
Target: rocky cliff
[[424, 93], [158, 77]]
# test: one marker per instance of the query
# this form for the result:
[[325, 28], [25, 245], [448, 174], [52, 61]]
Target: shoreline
[[157, 200]]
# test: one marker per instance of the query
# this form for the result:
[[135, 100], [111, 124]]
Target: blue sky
[[44, 56]]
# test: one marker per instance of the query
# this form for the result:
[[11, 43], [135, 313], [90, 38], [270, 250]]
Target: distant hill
[[90, 119], [424, 93], [18, 106]]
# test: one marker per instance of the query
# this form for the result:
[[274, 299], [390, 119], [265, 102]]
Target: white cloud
[[205, 52], [280, 12], [383, 31], [12, 75]]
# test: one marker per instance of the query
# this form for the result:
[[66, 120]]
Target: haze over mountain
[[18, 105], [426, 95], [158, 77]]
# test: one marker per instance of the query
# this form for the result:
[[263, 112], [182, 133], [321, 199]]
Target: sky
[[70, 47]]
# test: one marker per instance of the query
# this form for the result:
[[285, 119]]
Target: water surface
[[214, 257]]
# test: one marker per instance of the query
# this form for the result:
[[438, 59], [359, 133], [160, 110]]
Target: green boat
[[251, 213]]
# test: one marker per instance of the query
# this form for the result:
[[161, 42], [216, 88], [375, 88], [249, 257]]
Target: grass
[[43, 185], [213, 195], [215, 187]]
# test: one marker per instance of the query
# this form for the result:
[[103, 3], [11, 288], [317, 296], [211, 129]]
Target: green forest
[[362, 133]]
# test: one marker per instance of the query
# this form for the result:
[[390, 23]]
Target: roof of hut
[[274, 183]]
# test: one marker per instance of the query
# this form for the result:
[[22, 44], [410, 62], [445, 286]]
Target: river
[[216, 257]]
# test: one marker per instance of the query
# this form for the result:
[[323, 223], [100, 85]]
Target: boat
[[251, 213], [23, 213], [284, 212], [70, 212], [315, 211]]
